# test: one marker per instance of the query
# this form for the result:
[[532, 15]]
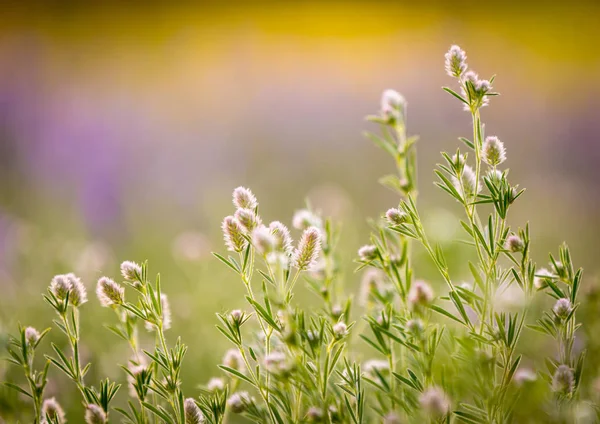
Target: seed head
[[60, 286], [95, 415], [541, 278], [283, 240], [109, 293], [52, 410], [392, 105], [193, 414], [131, 271], [514, 243], [367, 253], [493, 152], [233, 359], [420, 294], [467, 183], [215, 384], [314, 415], [434, 402], [239, 402], [304, 219], [248, 219], [523, 376], [78, 295], [244, 199], [308, 249], [395, 216], [456, 62], [31, 337], [563, 380], [233, 234], [562, 308], [263, 240], [340, 330]]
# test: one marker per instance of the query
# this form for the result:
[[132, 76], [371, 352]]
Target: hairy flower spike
[[239, 402], [434, 402], [248, 219], [109, 293], [233, 359], [244, 199], [523, 376], [456, 62], [420, 294], [493, 151], [392, 105], [263, 240], [367, 252], [31, 336], [541, 278], [131, 271], [514, 243], [304, 219], [193, 414], [78, 294], [95, 415], [467, 184], [340, 330], [562, 308], [60, 286], [396, 217], [283, 240], [563, 380], [233, 234], [308, 249], [215, 384], [52, 409]]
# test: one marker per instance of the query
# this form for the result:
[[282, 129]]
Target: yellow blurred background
[[124, 129]]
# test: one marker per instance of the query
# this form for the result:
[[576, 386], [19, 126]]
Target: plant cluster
[[452, 356]]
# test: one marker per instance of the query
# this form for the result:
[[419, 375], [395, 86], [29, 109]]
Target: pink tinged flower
[[244, 199], [248, 219], [420, 294], [283, 240], [109, 293], [308, 249], [193, 414], [456, 62], [95, 415], [233, 234]]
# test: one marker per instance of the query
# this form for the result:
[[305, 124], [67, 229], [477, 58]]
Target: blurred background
[[124, 129]]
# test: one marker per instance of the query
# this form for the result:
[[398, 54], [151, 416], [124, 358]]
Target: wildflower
[[434, 402], [263, 240], [233, 234], [239, 402], [131, 271], [493, 151], [31, 337], [374, 366], [109, 293], [277, 363], [563, 380], [562, 308], [495, 176], [392, 105], [283, 240], [514, 243], [415, 327], [132, 379], [308, 249], [340, 330], [193, 414], [237, 316], [368, 252], [559, 269], [372, 281], [523, 376], [474, 90], [52, 410], [314, 415], [278, 260], [233, 359], [459, 161], [541, 278], [244, 199], [78, 293], [456, 62], [396, 216], [215, 384], [467, 185], [95, 415], [304, 219], [248, 219], [420, 294], [165, 314], [60, 286]]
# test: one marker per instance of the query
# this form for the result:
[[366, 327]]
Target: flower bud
[[493, 151], [233, 234], [52, 410], [95, 415], [523, 376], [434, 402], [467, 185], [563, 380], [215, 384], [308, 249], [31, 337], [243, 198], [109, 293], [562, 308], [283, 240], [263, 240], [248, 219], [456, 62], [393, 105], [541, 278], [60, 286], [420, 294], [415, 327], [193, 414], [304, 219], [314, 415], [233, 359], [239, 402], [395, 216], [340, 330], [367, 252], [131, 271], [514, 243]]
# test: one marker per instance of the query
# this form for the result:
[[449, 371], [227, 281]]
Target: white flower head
[[243, 198]]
